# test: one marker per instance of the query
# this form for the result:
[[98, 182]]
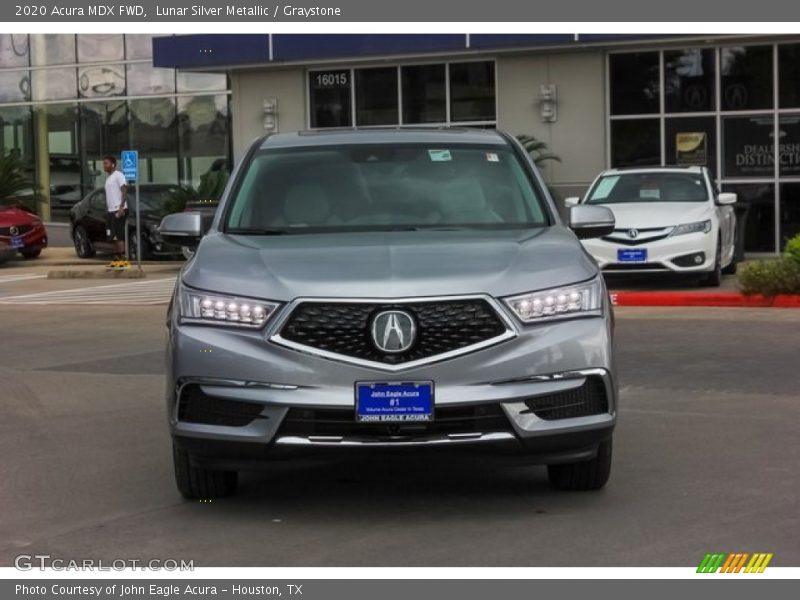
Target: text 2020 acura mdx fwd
[[389, 289]]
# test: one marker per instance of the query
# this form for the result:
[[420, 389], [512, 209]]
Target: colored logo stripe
[[734, 562]]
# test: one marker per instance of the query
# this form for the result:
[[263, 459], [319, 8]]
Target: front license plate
[[394, 402], [632, 255], [16, 242]]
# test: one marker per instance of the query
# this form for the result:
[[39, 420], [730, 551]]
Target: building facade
[[68, 100]]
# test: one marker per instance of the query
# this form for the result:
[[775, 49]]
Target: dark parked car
[[88, 223]]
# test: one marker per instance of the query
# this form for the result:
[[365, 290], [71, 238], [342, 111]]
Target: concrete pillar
[[42, 145]]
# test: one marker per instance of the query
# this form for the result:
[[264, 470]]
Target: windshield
[[382, 187], [648, 187]]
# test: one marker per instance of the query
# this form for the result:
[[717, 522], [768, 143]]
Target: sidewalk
[[62, 262]]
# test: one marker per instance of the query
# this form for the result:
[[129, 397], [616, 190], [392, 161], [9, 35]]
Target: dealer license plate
[[394, 402], [632, 255], [16, 242]]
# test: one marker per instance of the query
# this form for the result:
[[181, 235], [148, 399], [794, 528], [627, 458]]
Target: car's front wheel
[[196, 483], [585, 475], [83, 245]]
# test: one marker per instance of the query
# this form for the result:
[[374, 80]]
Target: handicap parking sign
[[130, 164]]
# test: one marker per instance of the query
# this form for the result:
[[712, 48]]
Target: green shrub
[[770, 277], [792, 251]]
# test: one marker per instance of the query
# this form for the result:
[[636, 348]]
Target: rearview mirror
[[572, 201], [589, 221], [182, 229], [726, 198]]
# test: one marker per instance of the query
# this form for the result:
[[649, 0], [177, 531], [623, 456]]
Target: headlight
[[699, 227], [558, 302], [217, 309]]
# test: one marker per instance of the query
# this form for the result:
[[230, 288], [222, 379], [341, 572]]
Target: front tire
[[585, 475], [132, 254], [83, 245], [196, 483]]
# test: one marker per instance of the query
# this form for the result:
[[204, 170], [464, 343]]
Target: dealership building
[[597, 101]]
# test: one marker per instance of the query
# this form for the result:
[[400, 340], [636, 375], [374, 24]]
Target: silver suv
[[396, 290]]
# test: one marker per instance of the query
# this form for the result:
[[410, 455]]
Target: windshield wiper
[[265, 231]]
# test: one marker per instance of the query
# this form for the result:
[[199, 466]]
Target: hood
[[389, 264], [17, 216], [661, 214]]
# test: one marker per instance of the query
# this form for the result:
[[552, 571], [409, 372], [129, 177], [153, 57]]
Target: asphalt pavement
[[706, 456]]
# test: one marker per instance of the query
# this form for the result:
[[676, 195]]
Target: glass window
[[101, 81], [649, 187], [424, 95], [17, 131], [789, 146], [760, 218], [376, 96], [54, 84], [329, 96], [65, 173], [634, 84], [691, 141], [202, 82], [689, 80], [143, 79], [790, 212], [15, 86], [52, 49], [204, 134], [138, 45], [380, 187], [746, 77], [14, 51], [472, 91], [100, 47], [747, 146], [104, 130], [789, 75], [635, 142], [154, 133]]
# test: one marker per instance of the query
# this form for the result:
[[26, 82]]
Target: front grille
[[589, 399], [196, 407], [481, 418], [344, 328], [626, 241], [634, 267], [22, 230]]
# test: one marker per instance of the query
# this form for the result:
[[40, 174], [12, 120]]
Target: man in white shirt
[[116, 188]]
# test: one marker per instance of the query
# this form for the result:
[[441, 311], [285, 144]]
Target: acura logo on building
[[393, 331], [633, 233]]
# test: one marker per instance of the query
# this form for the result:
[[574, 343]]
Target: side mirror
[[182, 229], [572, 201], [726, 198], [588, 221]]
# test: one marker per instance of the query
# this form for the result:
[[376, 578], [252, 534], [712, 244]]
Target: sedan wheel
[[83, 245]]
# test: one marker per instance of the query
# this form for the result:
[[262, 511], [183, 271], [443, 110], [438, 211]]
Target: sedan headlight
[[219, 309], [698, 227], [561, 302]]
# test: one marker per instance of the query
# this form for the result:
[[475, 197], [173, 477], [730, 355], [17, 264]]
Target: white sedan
[[668, 219]]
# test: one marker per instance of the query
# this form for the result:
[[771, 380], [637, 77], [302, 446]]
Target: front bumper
[[35, 239], [243, 366], [672, 254]]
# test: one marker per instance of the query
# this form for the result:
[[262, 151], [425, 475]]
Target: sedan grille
[[21, 230], [345, 328]]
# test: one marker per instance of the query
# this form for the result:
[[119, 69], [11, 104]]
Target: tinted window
[[689, 80], [376, 96], [472, 96], [635, 142], [789, 75], [649, 187], [691, 141], [330, 98], [746, 77], [424, 96], [634, 83], [378, 187]]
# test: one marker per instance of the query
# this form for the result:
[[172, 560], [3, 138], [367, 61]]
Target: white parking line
[[21, 277], [148, 292]]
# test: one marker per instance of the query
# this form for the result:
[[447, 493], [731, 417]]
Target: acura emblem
[[13, 230], [633, 233], [393, 331]]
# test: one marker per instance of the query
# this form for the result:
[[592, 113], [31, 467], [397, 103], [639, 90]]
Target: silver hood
[[388, 264]]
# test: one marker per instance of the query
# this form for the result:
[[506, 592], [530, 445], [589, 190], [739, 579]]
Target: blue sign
[[387, 402], [130, 164]]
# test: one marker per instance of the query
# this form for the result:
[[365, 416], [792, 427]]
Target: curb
[[711, 299], [97, 274]]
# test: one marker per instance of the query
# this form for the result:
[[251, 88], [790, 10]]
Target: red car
[[22, 232]]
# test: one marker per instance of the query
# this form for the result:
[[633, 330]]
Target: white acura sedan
[[668, 219]]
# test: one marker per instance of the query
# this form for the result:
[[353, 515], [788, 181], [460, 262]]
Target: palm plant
[[537, 149], [14, 178]]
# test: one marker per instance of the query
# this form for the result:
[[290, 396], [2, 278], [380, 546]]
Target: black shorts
[[115, 226]]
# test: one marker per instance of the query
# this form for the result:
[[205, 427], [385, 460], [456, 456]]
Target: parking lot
[[706, 454]]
